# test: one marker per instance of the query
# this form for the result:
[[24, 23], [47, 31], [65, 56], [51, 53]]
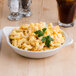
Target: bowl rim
[[49, 50]]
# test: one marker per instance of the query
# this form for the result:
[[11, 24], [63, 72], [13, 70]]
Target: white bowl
[[35, 54]]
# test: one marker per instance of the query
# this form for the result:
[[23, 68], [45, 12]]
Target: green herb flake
[[36, 32], [44, 29], [43, 39], [39, 32], [47, 43], [49, 38]]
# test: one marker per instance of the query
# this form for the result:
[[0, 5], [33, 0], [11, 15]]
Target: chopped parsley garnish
[[44, 29], [47, 43], [43, 39], [40, 33], [47, 40]]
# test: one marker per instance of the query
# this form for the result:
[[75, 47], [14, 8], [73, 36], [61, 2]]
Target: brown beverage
[[66, 9]]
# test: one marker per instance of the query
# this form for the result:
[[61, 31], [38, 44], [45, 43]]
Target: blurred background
[[40, 10]]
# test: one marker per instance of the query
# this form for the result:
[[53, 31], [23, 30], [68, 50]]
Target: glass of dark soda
[[66, 12]]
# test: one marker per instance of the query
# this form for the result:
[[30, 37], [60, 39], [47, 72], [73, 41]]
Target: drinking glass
[[14, 6], [66, 12], [25, 7]]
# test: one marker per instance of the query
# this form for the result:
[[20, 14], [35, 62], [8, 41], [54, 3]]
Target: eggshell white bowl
[[35, 54]]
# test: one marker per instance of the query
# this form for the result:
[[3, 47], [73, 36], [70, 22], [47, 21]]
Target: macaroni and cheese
[[25, 37]]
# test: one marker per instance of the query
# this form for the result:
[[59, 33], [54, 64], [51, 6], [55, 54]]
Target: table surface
[[61, 64]]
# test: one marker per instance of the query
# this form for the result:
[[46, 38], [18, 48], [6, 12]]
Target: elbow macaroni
[[25, 38]]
